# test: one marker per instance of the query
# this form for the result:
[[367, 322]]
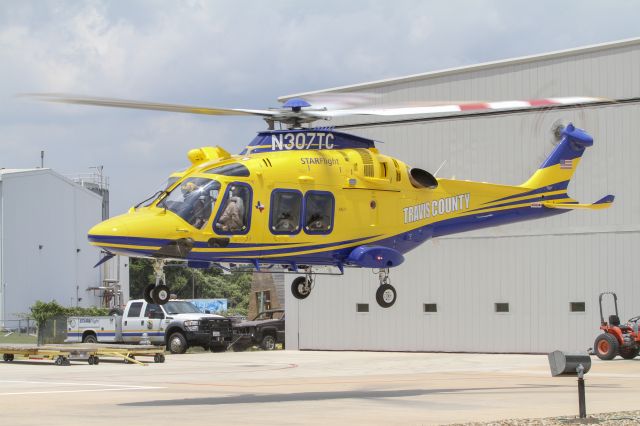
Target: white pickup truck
[[178, 324]]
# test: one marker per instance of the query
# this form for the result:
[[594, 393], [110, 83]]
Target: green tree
[[187, 283]]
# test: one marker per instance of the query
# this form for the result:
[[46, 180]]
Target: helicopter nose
[[109, 228]]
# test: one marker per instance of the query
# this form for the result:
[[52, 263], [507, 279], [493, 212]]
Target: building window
[[286, 206], [430, 307], [502, 307], [362, 307], [577, 306], [263, 300]]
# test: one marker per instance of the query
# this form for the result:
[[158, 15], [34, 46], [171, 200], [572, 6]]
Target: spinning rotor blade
[[430, 108], [123, 103]]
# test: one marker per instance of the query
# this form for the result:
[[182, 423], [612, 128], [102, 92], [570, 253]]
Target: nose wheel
[[301, 287], [386, 294], [157, 293]]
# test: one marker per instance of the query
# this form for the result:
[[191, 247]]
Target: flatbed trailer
[[63, 354]]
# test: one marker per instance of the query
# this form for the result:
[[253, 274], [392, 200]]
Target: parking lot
[[289, 387]]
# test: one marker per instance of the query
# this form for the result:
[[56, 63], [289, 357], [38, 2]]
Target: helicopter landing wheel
[[386, 294], [160, 294], [301, 287], [147, 293]]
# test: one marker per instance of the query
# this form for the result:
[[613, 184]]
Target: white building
[[539, 267], [44, 252]]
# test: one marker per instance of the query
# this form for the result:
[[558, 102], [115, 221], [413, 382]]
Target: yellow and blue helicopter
[[315, 200]]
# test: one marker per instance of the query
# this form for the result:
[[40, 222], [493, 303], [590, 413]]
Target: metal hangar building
[[44, 251], [530, 287]]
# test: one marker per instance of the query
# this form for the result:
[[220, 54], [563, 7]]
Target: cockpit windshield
[[150, 200], [193, 200]]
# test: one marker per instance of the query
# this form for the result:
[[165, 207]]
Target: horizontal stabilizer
[[603, 203], [107, 256]]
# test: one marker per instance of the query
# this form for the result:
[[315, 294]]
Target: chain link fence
[[25, 326], [52, 331]]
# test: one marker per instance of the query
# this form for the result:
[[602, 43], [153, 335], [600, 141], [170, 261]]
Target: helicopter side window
[[318, 212], [193, 200], [234, 216], [233, 169], [286, 206]]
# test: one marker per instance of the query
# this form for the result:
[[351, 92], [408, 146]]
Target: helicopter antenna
[[440, 168]]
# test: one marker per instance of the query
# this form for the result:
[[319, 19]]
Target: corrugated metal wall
[[538, 267], [46, 253]]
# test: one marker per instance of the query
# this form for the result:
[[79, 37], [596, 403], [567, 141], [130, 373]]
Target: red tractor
[[617, 339]]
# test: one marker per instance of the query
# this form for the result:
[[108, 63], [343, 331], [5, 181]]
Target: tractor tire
[[606, 346], [629, 352]]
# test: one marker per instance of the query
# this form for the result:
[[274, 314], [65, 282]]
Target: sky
[[238, 54]]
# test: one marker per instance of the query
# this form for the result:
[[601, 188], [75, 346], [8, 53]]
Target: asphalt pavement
[[307, 387]]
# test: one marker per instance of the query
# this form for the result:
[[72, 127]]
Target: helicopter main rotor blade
[[124, 103], [429, 108]]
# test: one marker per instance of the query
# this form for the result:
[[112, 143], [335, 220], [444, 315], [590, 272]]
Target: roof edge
[[467, 68], [15, 173]]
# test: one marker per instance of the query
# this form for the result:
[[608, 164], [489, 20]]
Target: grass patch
[[17, 338]]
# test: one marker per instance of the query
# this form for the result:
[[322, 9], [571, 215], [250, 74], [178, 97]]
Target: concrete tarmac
[[294, 388]]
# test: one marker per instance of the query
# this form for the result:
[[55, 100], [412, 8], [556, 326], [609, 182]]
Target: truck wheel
[[268, 343], [177, 343], [89, 338], [629, 352], [606, 346], [147, 293]]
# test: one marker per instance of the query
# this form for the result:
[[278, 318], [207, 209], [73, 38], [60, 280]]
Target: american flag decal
[[566, 164], [536, 205]]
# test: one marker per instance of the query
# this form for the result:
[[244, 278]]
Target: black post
[[581, 400]]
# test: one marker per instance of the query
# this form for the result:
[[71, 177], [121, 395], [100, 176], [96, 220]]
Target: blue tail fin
[[559, 167]]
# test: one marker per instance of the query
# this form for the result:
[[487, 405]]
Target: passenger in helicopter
[[232, 218], [318, 213], [285, 223]]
